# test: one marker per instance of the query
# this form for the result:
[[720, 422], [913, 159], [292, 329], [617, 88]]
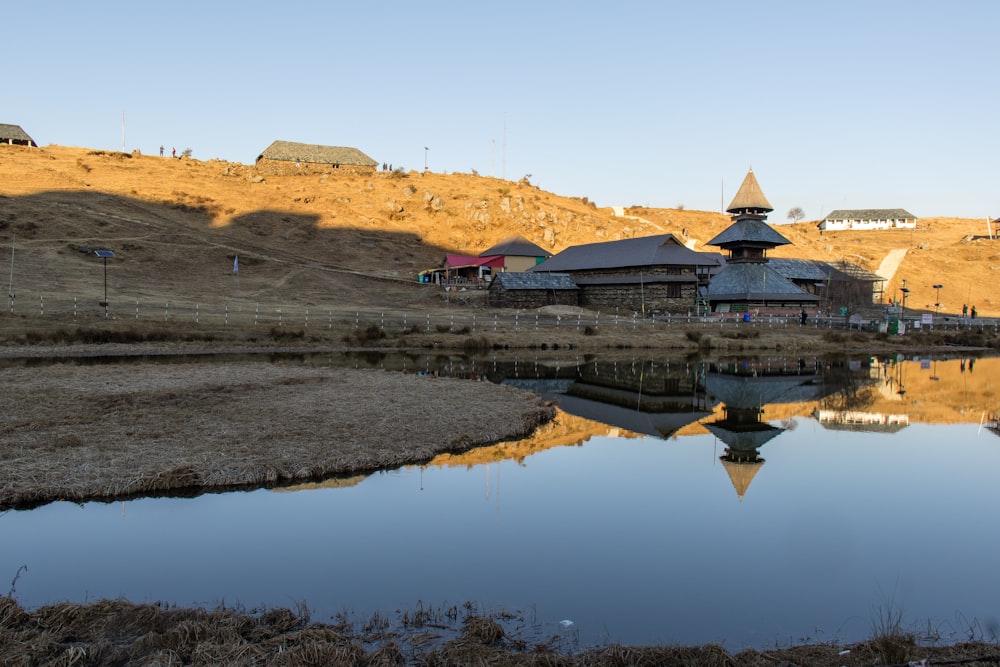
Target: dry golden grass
[[122, 633], [341, 239], [78, 433], [323, 240]]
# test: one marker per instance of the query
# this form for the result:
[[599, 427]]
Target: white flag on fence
[[236, 264]]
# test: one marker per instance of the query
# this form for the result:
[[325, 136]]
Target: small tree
[[796, 214]]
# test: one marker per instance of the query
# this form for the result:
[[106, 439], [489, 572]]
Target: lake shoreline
[[60, 414], [147, 429]]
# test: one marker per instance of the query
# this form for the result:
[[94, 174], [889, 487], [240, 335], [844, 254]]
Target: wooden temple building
[[747, 282]]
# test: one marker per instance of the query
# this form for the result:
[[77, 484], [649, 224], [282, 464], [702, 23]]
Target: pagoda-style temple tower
[[747, 282]]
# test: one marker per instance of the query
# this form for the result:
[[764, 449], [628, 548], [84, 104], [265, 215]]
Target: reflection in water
[[616, 515]]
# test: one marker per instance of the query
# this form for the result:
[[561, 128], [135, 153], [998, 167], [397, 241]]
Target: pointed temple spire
[[750, 198]]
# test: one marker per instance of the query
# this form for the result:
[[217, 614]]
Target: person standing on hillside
[[161, 150], [173, 152], [973, 313]]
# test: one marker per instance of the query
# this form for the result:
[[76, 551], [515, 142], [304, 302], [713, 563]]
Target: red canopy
[[462, 261]]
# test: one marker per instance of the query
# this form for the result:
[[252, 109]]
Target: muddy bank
[[117, 632], [107, 432]]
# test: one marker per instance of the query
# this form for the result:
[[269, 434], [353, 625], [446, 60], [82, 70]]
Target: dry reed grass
[[118, 632], [106, 432]]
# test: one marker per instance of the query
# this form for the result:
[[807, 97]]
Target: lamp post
[[425, 157], [937, 299], [905, 290], [104, 255]]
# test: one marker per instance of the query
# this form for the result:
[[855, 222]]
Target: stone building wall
[[498, 297], [649, 298], [289, 168]]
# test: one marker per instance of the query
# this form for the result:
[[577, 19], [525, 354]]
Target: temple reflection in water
[[744, 403]]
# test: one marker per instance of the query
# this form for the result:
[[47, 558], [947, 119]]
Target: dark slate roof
[[14, 132], [513, 280], [754, 392], [516, 246], [749, 197], [750, 281], [744, 439], [804, 269], [634, 279], [870, 214], [657, 424], [863, 428], [290, 150], [661, 250], [749, 230], [819, 271]]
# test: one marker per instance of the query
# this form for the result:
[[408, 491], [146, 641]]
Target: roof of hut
[[291, 150], [516, 246], [15, 132], [871, 214], [516, 280], [749, 197]]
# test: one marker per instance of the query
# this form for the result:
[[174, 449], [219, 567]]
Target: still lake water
[[866, 487]]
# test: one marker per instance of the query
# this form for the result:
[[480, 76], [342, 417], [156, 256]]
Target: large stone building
[[289, 157], [647, 275]]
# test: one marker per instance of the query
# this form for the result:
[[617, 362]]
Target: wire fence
[[70, 310]]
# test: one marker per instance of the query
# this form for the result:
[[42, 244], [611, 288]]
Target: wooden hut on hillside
[[15, 136], [868, 218], [519, 254], [515, 253], [290, 157]]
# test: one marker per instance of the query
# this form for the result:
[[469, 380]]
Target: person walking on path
[[173, 152]]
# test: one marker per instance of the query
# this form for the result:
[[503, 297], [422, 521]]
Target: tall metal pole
[[105, 287], [10, 286]]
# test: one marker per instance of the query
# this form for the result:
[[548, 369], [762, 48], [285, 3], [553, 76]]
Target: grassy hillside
[[176, 225]]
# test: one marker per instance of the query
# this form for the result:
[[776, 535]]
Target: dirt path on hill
[[890, 263]]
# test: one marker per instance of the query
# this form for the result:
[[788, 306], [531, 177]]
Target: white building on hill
[[869, 218]]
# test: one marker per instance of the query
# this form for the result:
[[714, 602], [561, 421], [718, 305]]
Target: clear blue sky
[[874, 104]]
